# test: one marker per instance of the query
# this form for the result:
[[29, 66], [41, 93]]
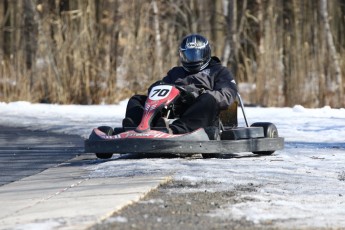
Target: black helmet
[[195, 53]]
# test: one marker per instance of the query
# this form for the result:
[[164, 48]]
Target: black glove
[[188, 94]]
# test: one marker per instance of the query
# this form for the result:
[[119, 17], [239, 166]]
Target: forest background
[[282, 52]]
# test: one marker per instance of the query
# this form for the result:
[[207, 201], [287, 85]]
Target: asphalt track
[[45, 183], [24, 153]]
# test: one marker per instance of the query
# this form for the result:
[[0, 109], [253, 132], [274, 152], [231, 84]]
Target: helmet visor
[[192, 55]]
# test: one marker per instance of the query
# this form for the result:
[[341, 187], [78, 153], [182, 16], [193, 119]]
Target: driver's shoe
[[128, 123], [213, 133]]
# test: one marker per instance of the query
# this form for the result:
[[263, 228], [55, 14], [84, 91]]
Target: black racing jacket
[[215, 79]]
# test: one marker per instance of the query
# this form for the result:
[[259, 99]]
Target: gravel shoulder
[[168, 208]]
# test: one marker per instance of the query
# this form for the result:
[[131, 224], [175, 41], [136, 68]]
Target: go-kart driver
[[209, 85]]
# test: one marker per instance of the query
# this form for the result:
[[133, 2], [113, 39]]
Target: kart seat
[[228, 117]]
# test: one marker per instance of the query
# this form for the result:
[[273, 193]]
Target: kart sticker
[[160, 92]]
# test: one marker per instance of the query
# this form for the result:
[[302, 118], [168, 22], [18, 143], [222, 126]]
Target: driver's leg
[[134, 111], [202, 113]]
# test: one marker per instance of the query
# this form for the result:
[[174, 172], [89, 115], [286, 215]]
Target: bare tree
[[158, 43], [86, 51], [334, 85]]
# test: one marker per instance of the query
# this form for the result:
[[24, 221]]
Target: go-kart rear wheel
[[109, 131], [270, 131], [104, 155], [210, 155]]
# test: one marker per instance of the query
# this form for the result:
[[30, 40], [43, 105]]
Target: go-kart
[[227, 138]]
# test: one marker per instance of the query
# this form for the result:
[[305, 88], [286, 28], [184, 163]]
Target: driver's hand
[[189, 94]]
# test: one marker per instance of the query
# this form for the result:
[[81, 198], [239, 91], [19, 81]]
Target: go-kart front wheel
[[270, 131], [109, 131]]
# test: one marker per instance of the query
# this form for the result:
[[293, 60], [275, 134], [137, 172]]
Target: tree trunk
[[335, 86], [230, 49], [158, 43], [30, 34], [2, 19]]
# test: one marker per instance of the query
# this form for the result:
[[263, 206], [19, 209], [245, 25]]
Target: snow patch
[[301, 186]]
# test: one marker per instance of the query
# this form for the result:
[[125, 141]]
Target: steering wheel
[[187, 97]]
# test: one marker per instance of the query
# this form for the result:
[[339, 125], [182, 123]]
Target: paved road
[[45, 183], [24, 153]]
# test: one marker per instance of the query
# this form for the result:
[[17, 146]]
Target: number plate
[[159, 92]]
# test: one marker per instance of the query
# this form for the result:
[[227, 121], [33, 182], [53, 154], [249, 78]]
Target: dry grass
[[89, 53]]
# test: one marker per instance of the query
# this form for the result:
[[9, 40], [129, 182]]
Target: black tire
[[106, 129], [270, 131], [210, 155], [109, 131], [104, 155]]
